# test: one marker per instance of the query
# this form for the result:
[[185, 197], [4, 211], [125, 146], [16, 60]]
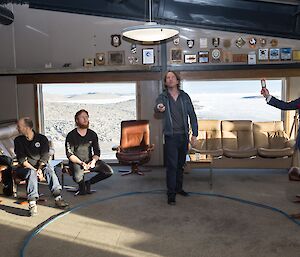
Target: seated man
[[83, 152], [32, 152]]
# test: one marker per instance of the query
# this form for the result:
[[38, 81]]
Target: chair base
[[74, 189], [134, 170]]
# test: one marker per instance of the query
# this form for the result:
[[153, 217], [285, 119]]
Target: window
[[107, 103], [233, 100]]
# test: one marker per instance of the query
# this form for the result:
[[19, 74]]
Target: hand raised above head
[[265, 92]]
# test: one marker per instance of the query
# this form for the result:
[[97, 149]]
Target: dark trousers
[[176, 147], [7, 181], [103, 171]]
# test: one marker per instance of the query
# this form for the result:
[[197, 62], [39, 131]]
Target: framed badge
[[215, 55], [148, 56], [203, 56], [203, 43], [133, 60], [286, 54], [227, 56], [100, 58], [252, 42], [116, 58], [263, 54], [88, 62], [176, 55], [274, 54], [190, 58], [274, 42], [252, 58], [227, 43], [133, 49], [240, 42], [176, 41], [115, 40], [215, 41], [243, 58], [262, 42], [296, 55], [190, 43]]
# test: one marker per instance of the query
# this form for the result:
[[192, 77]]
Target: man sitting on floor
[[32, 152], [83, 152]]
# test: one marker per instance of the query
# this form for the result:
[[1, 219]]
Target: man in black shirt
[[83, 152], [32, 152]]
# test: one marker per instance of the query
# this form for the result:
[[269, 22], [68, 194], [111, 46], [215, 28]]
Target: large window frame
[[41, 114]]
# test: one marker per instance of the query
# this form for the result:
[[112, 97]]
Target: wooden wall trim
[[87, 77], [239, 74]]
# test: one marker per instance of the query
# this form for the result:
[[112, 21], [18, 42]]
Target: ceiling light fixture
[[150, 31]]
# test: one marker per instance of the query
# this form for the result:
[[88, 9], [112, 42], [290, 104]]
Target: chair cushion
[[133, 157], [245, 153], [272, 153]]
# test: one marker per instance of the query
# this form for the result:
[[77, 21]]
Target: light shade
[[150, 32]]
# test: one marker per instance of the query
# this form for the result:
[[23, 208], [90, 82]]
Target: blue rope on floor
[[36, 231]]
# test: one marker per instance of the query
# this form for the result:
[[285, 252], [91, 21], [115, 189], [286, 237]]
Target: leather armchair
[[135, 148]]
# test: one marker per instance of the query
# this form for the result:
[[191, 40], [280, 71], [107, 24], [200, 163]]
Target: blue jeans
[[32, 181], [176, 147]]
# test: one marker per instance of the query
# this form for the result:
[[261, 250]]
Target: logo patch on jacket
[[37, 144]]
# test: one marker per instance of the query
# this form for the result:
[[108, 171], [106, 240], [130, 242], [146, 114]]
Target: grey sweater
[[187, 112]]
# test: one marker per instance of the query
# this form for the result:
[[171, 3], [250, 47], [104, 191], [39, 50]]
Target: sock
[[57, 198], [31, 203]]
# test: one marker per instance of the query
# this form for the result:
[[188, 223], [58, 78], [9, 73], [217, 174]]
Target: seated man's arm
[[96, 150], [44, 153], [69, 147], [21, 155]]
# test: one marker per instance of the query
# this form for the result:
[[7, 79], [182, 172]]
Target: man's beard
[[83, 126]]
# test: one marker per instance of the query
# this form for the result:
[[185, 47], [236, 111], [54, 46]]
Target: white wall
[[42, 36], [8, 103]]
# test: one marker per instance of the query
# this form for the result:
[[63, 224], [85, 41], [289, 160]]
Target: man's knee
[[77, 177]]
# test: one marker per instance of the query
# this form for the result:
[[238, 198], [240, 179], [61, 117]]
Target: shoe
[[33, 210], [88, 187], [171, 201], [183, 193], [60, 203], [81, 188]]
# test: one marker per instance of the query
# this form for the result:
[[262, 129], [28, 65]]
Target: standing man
[[293, 105], [176, 107], [83, 152], [32, 152]]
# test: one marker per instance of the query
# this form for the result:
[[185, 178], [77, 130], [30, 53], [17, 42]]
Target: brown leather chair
[[134, 148]]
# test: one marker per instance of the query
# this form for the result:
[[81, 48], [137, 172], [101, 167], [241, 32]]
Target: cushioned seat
[[209, 140], [271, 140], [237, 139], [272, 153], [245, 153]]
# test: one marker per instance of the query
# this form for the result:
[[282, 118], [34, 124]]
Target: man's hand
[[161, 107], [265, 92], [40, 175], [92, 164], [193, 140], [85, 166]]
